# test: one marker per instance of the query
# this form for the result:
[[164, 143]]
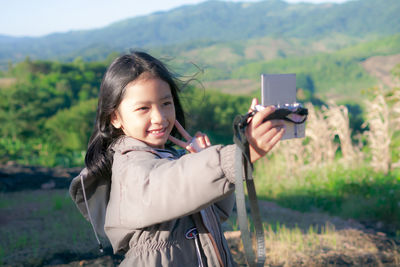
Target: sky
[[41, 17]]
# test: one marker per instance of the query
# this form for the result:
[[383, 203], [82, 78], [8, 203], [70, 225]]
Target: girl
[[157, 205]]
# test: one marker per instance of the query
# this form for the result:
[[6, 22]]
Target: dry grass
[[317, 148], [379, 134], [331, 123], [395, 118], [338, 120], [395, 98]]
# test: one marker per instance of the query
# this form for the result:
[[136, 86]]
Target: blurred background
[[330, 199]]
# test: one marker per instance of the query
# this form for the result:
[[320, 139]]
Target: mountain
[[213, 21]]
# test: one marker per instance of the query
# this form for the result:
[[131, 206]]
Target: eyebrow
[[166, 97], [169, 96]]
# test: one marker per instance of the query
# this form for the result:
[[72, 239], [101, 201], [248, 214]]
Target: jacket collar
[[126, 144]]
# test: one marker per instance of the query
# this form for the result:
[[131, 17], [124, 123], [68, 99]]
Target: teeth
[[156, 132]]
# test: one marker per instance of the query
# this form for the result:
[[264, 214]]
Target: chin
[[157, 144]]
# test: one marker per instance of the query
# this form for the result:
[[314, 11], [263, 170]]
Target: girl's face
[[147, 111]]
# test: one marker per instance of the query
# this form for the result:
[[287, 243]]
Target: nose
[[157, 115]]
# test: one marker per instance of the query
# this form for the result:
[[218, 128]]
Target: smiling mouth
[[158, 131]]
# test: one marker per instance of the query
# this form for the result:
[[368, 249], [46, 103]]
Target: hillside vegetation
[[335, 74], [47, 113], [48, 108], [339, 74]]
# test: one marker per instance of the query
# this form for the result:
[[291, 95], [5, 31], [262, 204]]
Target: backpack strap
[[89, 215]]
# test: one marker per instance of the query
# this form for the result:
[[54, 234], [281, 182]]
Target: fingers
[[275, 139], [203, 140], [190, 149], [177, 142], [261, 115], [262, 144], [208, 143], [193, 144], [270, 138], [199, 142], [263, 135], [266, 126], [182, 131], [254, 102]]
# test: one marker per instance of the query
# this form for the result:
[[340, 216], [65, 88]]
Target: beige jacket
[[156, 196]]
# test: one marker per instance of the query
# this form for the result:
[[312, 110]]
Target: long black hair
[[120, 73]]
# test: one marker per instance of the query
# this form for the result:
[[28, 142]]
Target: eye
[[167, 103], [141, 108]]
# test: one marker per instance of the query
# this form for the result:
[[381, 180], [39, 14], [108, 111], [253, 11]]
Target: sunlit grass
[[319, 246], [282, 240], [356, 192]]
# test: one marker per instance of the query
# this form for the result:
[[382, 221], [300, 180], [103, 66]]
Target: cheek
[[173, 115], [137, 122], [173, 110], [169, 113]]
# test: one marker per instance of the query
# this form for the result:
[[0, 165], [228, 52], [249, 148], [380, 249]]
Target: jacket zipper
[[193, 234]]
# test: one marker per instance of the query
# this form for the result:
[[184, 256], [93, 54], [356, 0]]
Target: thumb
[[254, 102]]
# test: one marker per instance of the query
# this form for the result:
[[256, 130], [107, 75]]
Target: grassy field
[[43, 228], [40, 226], [358, 193]]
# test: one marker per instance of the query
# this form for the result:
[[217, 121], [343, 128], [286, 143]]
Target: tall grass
[[380, 133]]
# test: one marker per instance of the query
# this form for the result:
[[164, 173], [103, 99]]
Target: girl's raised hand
[[263, 136], [192, 144]]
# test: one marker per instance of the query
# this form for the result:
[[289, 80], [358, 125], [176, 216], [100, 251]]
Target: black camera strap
[[243, 159], [284, 114]]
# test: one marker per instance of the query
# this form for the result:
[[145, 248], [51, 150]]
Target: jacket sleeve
[[224, 207], [147, 190]]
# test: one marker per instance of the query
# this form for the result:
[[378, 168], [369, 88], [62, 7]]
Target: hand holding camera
[[263, 134]]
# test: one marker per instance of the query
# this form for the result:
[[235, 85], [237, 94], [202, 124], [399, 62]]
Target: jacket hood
[[97, 192]]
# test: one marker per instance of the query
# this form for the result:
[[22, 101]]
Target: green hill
[[236, 67], [215, 21]]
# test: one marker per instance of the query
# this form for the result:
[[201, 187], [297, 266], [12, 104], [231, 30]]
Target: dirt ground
[[350, 234]]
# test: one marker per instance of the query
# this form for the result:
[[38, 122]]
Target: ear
[[115, 120]]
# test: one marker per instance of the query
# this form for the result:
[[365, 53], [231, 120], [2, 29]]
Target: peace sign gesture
[[192, 144]]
